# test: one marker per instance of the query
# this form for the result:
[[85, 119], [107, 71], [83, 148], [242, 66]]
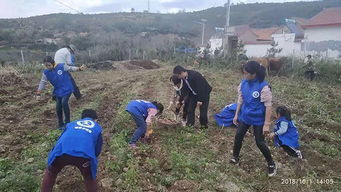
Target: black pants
[[59, 163], [310, 75], [258, 132], [184, 110], [62, 105], [192, 104], [76, 91]]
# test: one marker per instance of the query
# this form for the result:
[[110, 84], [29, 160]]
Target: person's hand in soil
[[37, 95], [266, 128], [271, 135]]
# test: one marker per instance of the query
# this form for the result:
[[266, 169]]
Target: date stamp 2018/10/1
[[304, 181]]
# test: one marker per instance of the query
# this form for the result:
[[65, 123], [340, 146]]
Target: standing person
[[79, 145], [63, 88], [310, 71], [66, 55], [285, 133], [179, 98], [199, 94], [254, 103], [142, 113]]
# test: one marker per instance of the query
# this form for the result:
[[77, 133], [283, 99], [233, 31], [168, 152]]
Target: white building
[[322, 34]]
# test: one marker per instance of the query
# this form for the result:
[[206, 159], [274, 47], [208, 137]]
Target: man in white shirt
[[66, 55]]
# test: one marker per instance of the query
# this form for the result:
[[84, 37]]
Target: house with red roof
[[322, 33]]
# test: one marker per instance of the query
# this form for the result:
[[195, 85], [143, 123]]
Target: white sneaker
[[183, 123], [299, 154]]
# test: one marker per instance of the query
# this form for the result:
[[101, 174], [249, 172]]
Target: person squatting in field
[[143, 112], [79, 145], [179, 98], [57, 75], [254, 104], [285, 133], [199, 94]]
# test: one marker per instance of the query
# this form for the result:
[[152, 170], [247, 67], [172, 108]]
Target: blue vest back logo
[[59, 72], [86, 123], [255, 94]]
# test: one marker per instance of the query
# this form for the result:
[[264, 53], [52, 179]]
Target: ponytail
[[253, 67], [260, 74]]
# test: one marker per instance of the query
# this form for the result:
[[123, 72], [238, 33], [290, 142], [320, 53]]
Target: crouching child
[[285, 133], [142, 113]]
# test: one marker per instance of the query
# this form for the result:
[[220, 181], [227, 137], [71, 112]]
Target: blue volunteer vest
[[225, 117], [79, 139], [60, 79], [289, 138], [252, 110], [139, 107]]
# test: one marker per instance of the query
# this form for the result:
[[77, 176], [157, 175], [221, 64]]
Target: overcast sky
[[26, 8]]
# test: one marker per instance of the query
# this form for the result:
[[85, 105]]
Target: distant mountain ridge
[[257, 15]]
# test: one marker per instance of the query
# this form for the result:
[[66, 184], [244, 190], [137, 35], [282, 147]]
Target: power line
[[68, 6]]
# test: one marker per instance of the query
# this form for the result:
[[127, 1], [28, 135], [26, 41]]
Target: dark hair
[[253, 67], [175, 80], [48, 59], [283, 111], [90, 113], [309, 56], [159, 106], [178, 69]]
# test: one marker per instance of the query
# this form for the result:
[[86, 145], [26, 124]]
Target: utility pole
[[203, 33], [227, 25], [148, 6], [22, 57]]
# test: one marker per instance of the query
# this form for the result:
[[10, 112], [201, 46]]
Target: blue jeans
[[141, 127], [62, 105]]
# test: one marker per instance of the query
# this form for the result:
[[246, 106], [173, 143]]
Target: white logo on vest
[[85, 125], [255, 94], [59, 72]]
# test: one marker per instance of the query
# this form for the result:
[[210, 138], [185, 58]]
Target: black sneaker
[[272, 170], [234, 160]]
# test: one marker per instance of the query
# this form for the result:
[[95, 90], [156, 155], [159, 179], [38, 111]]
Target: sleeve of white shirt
[[283, 127], [42, 83], [70, 68], [266, 96], [151, 113], [240, 98]]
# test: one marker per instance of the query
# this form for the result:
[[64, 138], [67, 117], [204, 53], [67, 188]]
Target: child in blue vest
[[79, 145], [285, 133], [57, 75], [142, 113], [254, 104]]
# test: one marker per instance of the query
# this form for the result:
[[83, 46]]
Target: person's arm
[[151, 113], [283, 127], [239, 104], [266, 98], [42, 83], [99, 144], [199, 81], [71, 68]]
